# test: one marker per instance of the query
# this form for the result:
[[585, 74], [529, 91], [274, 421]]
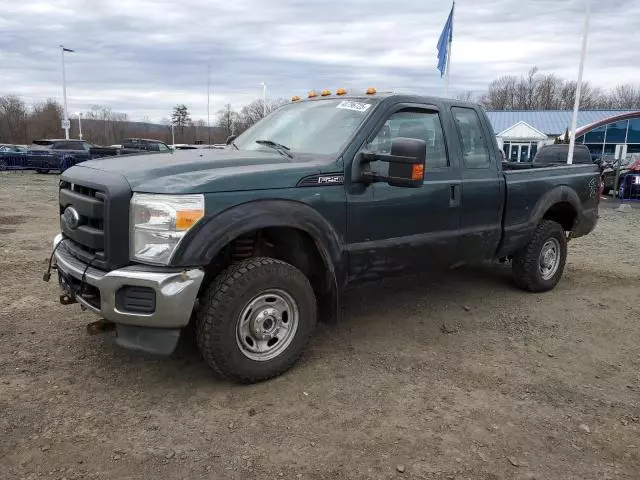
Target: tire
[[42, 170], [532, 268], [3, 165], [257, 290]]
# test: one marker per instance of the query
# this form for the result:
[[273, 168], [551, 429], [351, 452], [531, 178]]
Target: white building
[[520, 133]]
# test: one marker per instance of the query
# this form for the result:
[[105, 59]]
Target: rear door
[[482, 186], [396, 229]]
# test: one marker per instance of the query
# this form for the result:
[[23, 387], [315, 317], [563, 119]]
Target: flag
[[65, 49], [443, 42]]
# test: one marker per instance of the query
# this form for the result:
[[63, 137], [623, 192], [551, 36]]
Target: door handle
[[454, 195]]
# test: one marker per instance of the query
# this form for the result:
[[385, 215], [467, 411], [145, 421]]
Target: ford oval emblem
[[71, 217]]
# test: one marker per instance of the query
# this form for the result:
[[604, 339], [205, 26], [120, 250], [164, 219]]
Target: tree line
[[21, 123], [547, 91]]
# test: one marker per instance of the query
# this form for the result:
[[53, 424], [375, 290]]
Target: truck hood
[[206, 171]]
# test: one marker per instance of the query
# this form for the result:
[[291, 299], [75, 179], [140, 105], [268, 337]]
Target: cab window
[[414, 123], [475, 151]]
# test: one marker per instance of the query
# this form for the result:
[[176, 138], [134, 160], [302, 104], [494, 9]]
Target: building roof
[[550, 122]]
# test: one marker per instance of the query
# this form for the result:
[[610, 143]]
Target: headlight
[[158, 223]]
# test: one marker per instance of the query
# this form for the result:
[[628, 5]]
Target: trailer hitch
[[100, 326], [66, 299]]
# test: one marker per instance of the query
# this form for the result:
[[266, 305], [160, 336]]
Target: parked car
[[257, 242], [144, 144], [12, 157]]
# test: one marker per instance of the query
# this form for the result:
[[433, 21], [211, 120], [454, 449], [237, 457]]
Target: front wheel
[[539, 266], [255, 319]]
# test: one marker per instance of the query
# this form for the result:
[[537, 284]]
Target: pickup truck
[[253, 244]]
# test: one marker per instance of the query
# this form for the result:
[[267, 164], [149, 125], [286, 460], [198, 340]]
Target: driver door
[[393, 229]]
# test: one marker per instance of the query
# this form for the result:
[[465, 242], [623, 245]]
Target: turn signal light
[[371, 91], [312, 94], [325, 93], [185, 219], [417, 172], [341, 91], [295, 98]]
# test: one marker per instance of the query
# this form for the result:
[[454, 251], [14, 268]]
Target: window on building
[[634, 131], [474, 145], [412, 123], [596, 135], [617, 132], [595, 148]]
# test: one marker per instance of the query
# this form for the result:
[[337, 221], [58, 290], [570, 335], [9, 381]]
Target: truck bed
[[530, 192]]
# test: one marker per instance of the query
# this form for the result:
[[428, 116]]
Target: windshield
[[317, 127]]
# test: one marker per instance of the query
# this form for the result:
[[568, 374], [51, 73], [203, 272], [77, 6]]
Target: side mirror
[[230, 139], [406, 163]]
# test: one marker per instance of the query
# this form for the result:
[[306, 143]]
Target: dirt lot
[[454, 376]]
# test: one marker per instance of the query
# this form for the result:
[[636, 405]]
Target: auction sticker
[[357, 106]]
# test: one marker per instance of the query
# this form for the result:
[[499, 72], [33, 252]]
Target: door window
[[413, 123], [474, 144]]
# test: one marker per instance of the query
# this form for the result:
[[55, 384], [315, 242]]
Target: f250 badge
[[330, 179]]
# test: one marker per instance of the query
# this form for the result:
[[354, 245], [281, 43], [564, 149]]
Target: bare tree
[[44, 120], [466, 96], [254, 112], [13, 119], [228, 120]]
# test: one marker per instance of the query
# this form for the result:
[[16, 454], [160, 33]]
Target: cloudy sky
[[145, 56]]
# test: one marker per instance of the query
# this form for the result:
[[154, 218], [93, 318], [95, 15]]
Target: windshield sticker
[[357, 106]]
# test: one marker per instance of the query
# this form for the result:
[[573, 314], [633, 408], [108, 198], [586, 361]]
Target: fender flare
[[559, 194], [209, 236]]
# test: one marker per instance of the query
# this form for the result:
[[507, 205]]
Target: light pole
[[264, 99], [79, 125], [208, 95], [65, 122]]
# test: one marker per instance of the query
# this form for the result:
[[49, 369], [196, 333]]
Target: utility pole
[[576, 105]]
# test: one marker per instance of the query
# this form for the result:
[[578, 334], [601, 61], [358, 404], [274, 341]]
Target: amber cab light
[[371, 91], [417, 172], [325, 93], [295, 98], [341, 91], [312, 94]]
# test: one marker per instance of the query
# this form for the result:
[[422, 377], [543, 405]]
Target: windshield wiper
[[282, 149], [233, 144]]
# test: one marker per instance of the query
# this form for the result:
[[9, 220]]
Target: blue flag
[[443, 42]]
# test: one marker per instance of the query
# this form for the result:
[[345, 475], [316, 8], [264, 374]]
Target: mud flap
[[157, 341]]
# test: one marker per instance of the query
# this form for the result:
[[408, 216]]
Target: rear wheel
[[539, 266], [255, 319]]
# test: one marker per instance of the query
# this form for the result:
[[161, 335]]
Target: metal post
[[576, 105], [80, 125], [264, 99], [64, 96], [173, 139], [208, 103]]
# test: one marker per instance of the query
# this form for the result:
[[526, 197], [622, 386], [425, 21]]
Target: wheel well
[[290, 245], [564, 213]]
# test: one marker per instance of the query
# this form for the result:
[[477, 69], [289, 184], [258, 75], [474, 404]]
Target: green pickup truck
[[253, 244]]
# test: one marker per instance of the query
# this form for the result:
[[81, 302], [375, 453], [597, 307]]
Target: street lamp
[[79, 124], [65, 122]]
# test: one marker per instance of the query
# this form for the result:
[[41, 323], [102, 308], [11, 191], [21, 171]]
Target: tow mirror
[[406, 163]]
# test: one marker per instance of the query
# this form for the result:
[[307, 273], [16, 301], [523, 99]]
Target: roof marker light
[[295, 98], [325, 93], [371, 91], [341, 91], [312, 94]]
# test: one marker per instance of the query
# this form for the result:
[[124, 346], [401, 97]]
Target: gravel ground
[[458, 375]]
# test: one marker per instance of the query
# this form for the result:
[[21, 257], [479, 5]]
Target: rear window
[[555, 154]]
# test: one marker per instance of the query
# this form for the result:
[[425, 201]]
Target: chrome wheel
[[549, 258], [267, 325]]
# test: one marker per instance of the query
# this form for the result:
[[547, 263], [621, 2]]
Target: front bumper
[[175, 290]]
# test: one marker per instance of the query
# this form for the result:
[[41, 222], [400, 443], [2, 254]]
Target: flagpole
[[446, 71], [576, 105], [64, 96]]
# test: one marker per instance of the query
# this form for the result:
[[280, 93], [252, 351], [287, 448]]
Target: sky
[[143, 57]]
